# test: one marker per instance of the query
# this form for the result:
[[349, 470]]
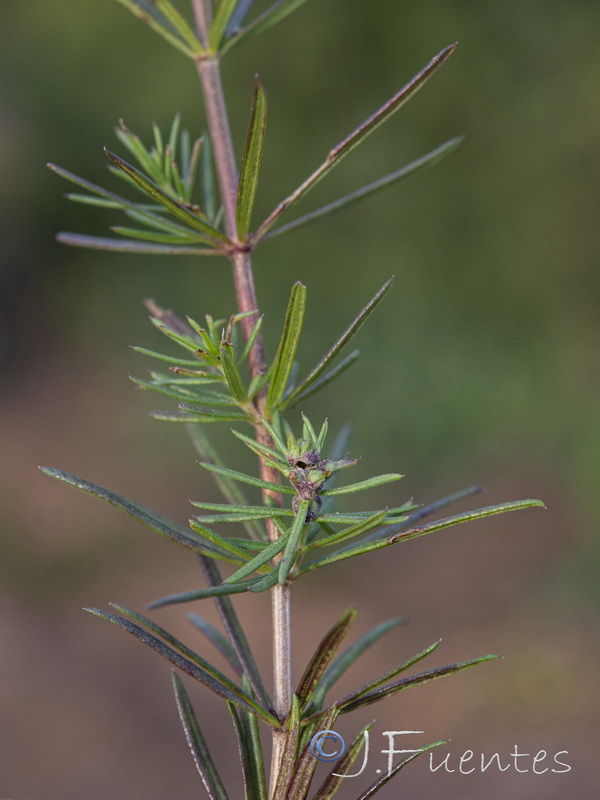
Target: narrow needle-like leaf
[[158, 24], [251, 159], [210, 233], [288, 345], [338, 346], [202, 594], [251, 755], [370, 687], [261, 559], [381, 782], [369, 545], [224, 10], [285, 772], [334, 780], [428, 160], [180, 24], [220, 642], [413, 680], [323, 656], [348, 657], [232, 373], [468, 516], [355, 530], [293, 541], [356, 137], [208, 675], [307, 763], [200, 753], [249, 479], [146, 516], [369, 483], [264, 21], [156, 236], [220, 542], [236, 634], [131, 246]]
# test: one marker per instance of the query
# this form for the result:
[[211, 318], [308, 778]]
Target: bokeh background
[[480, 367]]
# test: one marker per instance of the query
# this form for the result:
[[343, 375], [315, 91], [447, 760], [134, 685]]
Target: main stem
[[220, 134]]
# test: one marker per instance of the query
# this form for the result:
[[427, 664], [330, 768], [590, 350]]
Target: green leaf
[[241, 516], [200, 753], [258, 381], [208, 415], [307, 763], [249, 479], [368, 545], [235, 632], [431, 508], [274, 431], [251, 755], [369, 483], [468, 516], [355, 530], [147, 159], [146, 516], [208, 675], [428, 160], [158, 23], [263, 22], [232, 373], [223, 12], [369, 688], [251, 340], [258, 448], [207, 179], [251, 159], [185, 339], [288, 345], [220, 542], [181, 26], [228, 488], [287, 765], [413, 680], [140, 211], [220, 642], [333, 782], [207, 397], [266, 583], [323, 656], [293, 540], [171, 359], [172, 640], [151, 236], [358, 135], [355, 325], [381, 782], [259, 512], [348, 657], [177, 209], [127, 246], [261, 558], [341, 555], [202, 594], [237, 18]]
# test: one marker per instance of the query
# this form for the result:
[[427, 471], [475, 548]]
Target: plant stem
[[220, 133]]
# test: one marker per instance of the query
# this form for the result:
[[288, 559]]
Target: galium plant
[[188, 198]]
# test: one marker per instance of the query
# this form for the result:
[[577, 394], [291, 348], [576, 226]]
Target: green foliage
[[293, 527]]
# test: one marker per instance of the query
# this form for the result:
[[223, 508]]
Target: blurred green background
[[480, 367]]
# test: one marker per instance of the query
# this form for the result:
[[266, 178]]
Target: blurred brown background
[[481, 367]]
